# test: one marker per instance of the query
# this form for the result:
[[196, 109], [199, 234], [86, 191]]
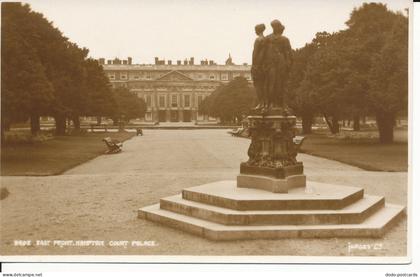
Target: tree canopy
[[230, 102], [44, 74], [362, 70], [128, 105]]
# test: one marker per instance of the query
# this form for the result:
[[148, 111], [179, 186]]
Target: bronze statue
[[257, 69], [278, 60], [272, 59]]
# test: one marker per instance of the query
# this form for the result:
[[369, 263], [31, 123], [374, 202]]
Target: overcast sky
[[191, 28]]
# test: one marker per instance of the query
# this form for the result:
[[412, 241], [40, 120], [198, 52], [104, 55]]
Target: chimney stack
[[101, 61], [178, 62], [109, 62], [185, 62], [169, 62], [130, 60], [192, 61]]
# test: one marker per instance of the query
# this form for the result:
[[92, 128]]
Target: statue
[[257, 69], [271, 124], [278, 60], [272, 59]]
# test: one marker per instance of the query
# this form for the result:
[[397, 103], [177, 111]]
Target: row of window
[[142, 87], [223, 76], [173, 100]]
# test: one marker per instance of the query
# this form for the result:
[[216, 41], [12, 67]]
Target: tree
[[388, 79], [231, 101], [382, 39], [100, 98], [46, 74], [26, 90], [299, 97], [324, 83], [128, 105], [51, 48]]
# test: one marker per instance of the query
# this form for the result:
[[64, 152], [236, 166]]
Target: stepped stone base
[[224, 211]]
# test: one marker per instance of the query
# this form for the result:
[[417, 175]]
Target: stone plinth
[[224, 211]]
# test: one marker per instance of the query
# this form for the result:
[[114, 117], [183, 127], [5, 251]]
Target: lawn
[[362, 150], [54, 156]]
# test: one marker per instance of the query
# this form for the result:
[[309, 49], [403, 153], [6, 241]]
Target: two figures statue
[[271, 62]]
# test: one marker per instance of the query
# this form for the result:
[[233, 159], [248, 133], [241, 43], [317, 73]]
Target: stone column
[[168, 114], [155, 115]]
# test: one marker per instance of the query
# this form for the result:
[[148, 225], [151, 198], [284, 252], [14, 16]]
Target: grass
[[54, 156], [361, 150]]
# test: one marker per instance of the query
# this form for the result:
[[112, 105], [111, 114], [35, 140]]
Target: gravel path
[[98, 200]]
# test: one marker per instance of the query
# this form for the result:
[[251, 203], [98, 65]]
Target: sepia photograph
[[206, 131]]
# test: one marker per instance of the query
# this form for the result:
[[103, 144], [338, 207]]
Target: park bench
[[297, 141], [236, 132], [114, 146]]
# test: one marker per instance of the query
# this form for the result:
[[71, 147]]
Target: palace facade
[[173, 91]]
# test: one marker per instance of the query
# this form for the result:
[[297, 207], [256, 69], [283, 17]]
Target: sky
[[203, 29]]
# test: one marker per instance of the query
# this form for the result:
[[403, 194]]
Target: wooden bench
[[114, 146], [236, 132]]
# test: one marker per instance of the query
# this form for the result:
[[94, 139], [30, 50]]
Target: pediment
[[174, 76]]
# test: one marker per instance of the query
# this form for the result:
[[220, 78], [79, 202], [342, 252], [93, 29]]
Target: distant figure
[[277, 61], [139, 131], [257, 70]]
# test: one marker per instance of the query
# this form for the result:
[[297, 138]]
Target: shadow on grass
[[366, 153], [54, 156]]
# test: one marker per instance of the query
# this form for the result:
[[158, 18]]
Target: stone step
[[354, 213], [374, 226], [315, 196]]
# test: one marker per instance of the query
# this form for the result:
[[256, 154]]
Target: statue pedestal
[[272, 163], [271, 198]]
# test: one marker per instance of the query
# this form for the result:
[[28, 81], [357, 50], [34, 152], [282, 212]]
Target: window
[[174, 101], [236, 74], [212, 77], [149, 100], [248, 77], [200, 99], [224, 76], [187, 100], [136, 77], [123, 76], [111, 76], [161, 101]]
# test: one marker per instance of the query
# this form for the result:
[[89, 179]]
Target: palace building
[[173, 91]]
